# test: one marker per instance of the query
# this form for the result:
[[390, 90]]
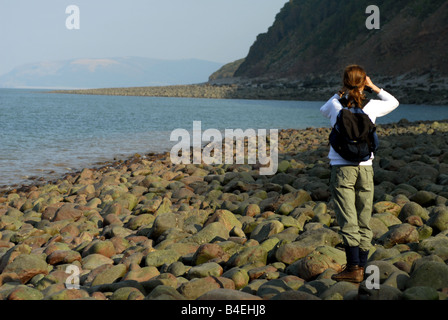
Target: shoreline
[[38, 181], [408, 89], [144, 228]]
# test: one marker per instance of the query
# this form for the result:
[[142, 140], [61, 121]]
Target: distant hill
[[108, 72], [303, 54], [322, 36], [226, 71]]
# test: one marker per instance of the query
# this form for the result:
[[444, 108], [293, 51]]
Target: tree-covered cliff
[[322, 36]]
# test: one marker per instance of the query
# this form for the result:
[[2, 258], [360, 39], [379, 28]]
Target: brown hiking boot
[[350, 274]]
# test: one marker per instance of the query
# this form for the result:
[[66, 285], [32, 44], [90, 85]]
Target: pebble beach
[[147, 229]]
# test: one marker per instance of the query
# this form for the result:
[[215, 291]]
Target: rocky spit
[[413, 88], [146, 229]]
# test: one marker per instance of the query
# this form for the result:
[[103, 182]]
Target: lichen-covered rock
[[26, 266]]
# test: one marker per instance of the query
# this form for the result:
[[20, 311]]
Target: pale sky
[[215, 30]]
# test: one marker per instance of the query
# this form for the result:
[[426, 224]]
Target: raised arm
[[382, 107], [370, 84]]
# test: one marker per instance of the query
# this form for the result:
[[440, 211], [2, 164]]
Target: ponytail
[[354, 80]]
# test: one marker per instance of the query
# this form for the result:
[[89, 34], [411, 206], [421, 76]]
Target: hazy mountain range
[[108, 72]]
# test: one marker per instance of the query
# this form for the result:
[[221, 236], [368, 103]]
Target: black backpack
[[354, 136]]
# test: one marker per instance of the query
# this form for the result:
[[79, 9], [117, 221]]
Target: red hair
[[354, 80]]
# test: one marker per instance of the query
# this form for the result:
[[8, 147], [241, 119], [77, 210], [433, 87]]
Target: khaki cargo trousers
[[352, 189]]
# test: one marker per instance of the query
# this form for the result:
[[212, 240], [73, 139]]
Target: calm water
[[46, 135]]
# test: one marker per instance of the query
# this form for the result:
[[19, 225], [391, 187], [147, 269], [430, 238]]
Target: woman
[[352, 183]]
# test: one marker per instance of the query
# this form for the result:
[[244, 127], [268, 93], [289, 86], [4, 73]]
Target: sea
[[45, 135]]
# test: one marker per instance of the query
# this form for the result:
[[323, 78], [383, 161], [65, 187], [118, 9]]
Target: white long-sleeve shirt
[[374, 109]]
